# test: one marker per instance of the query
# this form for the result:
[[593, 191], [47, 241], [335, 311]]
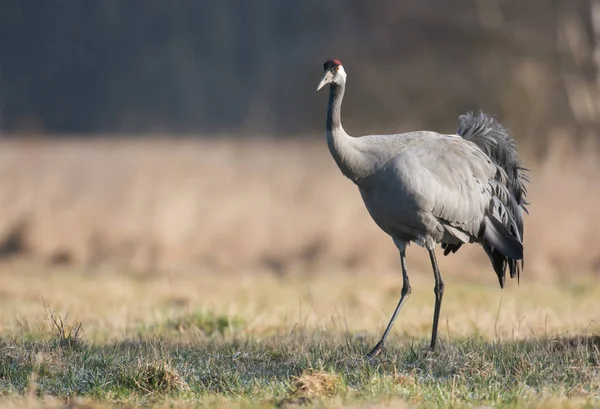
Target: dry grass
[[113, 305], [231, 205], [315, 384]]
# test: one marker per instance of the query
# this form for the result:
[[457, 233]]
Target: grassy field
[[263, 340], [247, 273]]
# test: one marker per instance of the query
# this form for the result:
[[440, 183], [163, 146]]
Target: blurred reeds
[[239, 205]]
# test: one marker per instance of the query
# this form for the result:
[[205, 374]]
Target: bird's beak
[[327, 78]]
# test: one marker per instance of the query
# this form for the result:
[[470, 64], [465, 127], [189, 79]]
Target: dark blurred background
[[251, 67]]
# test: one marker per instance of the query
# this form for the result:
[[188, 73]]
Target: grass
[[306, 368], [196, 341]]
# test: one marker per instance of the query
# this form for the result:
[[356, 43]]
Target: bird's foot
[[377, 350], [431, 351]]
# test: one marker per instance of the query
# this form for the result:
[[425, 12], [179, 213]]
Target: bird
[[427, 188]]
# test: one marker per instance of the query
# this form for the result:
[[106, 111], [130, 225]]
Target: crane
[[427, 188]]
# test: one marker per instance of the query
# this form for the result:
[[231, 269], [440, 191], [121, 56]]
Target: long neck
[[342, 146], [334, 109]]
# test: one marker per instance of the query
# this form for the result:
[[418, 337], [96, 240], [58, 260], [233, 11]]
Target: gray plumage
[[495, 141], [428, 188]]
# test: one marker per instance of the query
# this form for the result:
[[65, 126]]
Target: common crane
[[427, 188]]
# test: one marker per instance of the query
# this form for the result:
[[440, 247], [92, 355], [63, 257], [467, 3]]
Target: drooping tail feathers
[[503, 234]]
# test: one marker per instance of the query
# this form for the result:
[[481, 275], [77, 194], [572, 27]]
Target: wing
[[454, 181], [468, 196]]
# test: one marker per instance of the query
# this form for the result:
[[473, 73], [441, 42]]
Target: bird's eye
[[337, 68]]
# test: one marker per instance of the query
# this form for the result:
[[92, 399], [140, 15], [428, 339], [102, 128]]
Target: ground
[[96, 338]]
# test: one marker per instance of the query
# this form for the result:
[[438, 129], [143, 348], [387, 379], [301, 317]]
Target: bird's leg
[[405, 292], [439, 292]]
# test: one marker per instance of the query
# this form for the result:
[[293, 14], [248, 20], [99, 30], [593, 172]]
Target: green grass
[[302, 367], [71, 338]]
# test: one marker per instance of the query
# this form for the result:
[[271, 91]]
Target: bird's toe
[[376, 351]]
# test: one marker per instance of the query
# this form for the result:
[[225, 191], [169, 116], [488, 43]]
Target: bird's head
[[334, 73]]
